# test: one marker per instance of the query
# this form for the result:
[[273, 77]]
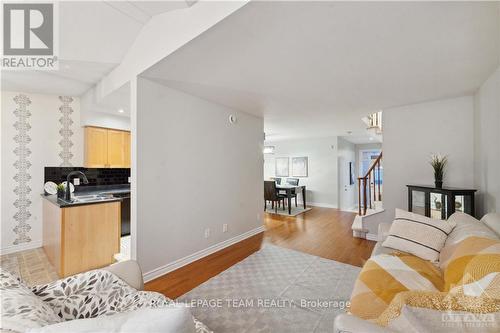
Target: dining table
[[290, 189]]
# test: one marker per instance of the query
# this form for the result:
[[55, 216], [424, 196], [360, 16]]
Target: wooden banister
[[373, 173]]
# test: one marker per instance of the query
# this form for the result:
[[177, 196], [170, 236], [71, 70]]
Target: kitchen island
[[81, 234]]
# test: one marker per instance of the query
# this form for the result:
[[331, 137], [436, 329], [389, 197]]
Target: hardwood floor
[[323, 232], [184, 279]]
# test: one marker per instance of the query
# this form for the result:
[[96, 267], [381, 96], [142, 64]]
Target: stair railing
[[365, 186]]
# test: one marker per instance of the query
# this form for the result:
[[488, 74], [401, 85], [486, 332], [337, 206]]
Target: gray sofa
[[488, 227]]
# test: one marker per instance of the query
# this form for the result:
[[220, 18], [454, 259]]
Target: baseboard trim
[[21, 247], [372, 237], [156, 273], [320, 204]]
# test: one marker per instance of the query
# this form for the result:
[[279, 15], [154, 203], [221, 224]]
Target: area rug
[[295, 210], [274, 290]]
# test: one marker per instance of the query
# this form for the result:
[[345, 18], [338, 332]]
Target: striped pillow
[[418, 235]]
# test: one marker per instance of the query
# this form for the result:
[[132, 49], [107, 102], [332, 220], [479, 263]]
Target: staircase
[[370, 185], [369, 188], [370, 191]]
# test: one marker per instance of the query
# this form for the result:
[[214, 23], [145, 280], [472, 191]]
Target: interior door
[[347, 191], [116, 149], [96, 147]]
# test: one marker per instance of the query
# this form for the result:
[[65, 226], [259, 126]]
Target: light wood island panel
[[80, 238]]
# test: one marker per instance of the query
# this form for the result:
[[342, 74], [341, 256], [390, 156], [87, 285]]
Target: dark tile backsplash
[[96, 176]]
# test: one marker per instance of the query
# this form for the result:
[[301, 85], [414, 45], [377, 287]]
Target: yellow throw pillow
[[386, 275], [473, 259]]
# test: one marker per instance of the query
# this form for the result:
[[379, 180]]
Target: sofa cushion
[[384, 276], [95, 293], [21, 309], [466, 226], [174, 319], [418, 235]]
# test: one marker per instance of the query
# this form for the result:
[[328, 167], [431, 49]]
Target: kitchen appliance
[[125, 212]]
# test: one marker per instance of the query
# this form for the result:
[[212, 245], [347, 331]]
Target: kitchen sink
[[91, 198]]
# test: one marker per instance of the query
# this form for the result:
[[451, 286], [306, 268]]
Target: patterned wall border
[[65, 131], [22, 165]]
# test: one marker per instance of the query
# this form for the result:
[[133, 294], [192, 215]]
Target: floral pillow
[[20, 308]]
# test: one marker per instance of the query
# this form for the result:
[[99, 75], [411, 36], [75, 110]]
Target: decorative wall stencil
[[22, 165], [65, 131]]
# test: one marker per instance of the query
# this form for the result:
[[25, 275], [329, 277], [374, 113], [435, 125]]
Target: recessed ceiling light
[[371, 139], [121, 110]]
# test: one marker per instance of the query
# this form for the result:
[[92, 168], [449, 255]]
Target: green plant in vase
[[438, 163], [60, 191]]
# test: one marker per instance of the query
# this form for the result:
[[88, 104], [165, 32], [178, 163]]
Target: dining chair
[[278, 181], [271, 194], [293, 182]]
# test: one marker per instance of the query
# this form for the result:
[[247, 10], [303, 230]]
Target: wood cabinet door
[[96, 147], [90, 236], [116, 149], [127, 150]]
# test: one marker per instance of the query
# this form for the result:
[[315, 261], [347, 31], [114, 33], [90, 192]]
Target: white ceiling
[[314, 69], [94, 36], [360, 139]]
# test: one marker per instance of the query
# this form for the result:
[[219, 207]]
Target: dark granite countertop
[[90, 190], [103, 189]]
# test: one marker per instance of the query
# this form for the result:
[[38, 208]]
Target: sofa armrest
[[129, 271], [345, 323], [383, 231]]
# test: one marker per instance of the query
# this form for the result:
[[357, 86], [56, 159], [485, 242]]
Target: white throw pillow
[[419, 235], [174, 319], [20, 308]]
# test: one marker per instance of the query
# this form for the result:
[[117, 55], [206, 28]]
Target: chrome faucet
[[67, 195]]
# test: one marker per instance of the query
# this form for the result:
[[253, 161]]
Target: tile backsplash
[[96, 176]]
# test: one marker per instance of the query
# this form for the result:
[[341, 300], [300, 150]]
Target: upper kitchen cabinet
[[96, 147], [106, 148]]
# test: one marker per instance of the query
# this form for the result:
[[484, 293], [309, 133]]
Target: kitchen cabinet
[[107, 148], [80, 238]]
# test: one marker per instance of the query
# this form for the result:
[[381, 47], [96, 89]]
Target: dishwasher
[[125, 212]]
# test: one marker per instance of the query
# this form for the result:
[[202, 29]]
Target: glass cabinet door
[[459, 203], [438, 206], [418, 202]]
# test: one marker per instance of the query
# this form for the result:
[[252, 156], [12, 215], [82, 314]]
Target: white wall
[[195, 170], [487, 145], [322, 180], [44, 121], [411, 134], [347, 192], [93, 114]]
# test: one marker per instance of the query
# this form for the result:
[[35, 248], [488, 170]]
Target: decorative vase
[[439, 183], [60, 194]]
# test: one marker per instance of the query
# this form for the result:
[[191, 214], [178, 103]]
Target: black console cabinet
[[440, 203]]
